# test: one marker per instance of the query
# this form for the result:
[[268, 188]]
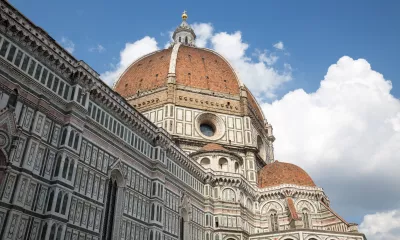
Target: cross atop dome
[[184, 15], [184, 34]]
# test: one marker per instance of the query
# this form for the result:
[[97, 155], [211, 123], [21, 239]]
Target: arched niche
[[272, 205], [205, 162], [229, 195], [223, 164]]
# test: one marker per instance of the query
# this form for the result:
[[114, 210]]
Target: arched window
[[71, 170], [223, 164], [44, 231], [110, 209], [151, 235], [63, 137], [152, 211], [59, 231], [205, 162], [50, 202], [216, 236], [186, 40], [52, 231], [64, 204], [236, 167], [65, 168], [76, 141], [228, 195], [306, 221], [274, 221], [180, 39], [57, 168], [58, 203], [71, 138]]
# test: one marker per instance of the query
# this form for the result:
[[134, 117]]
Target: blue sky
[[315, 33], [345, 133]]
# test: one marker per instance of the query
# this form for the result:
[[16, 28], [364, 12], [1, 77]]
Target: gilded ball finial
[[184, 15]]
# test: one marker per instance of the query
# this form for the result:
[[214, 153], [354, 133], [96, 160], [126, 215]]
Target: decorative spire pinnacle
[[184, 15], [184, 34]]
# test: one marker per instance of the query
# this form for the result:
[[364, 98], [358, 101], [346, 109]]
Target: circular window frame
[[214, 121]]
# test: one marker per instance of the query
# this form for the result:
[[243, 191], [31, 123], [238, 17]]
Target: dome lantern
[[184, 34]]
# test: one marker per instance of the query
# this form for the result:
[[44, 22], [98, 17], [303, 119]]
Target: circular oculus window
[[210, 126], [207, 129]]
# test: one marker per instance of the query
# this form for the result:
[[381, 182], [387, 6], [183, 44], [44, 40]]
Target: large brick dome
[[278, 173], [193, 67]]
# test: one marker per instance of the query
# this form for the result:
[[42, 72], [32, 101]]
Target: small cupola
[[184, 34]]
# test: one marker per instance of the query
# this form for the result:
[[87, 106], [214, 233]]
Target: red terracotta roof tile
[[149, 72], [278, 173], [213, 147]]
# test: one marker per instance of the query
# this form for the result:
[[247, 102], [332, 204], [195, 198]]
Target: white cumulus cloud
[[128, 55], [279, 45], [261, 78], [382, 225], [204, 32], [346, 135], [68, 45]]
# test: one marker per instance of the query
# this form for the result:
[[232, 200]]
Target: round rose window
[[210, 126]]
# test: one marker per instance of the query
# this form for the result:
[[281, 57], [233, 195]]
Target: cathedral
[[177, 149]]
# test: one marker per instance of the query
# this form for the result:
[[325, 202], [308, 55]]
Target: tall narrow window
[[63, 137], [110, 209], [50, 202], [59, 231], [182, 229], [71, 138], [57, 168], [274, 222], [65, 168], [306, 221], [64, 204], [44, 231], [58, 204], [53, 231], [76, 141], [71, 170], [152, 211]]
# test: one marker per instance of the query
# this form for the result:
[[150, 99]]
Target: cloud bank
[[347, 136]]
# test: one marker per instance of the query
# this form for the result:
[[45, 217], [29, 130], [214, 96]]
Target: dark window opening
[[182, 235], [18, 58], [11, 53], [110, 209], [207, 129]]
